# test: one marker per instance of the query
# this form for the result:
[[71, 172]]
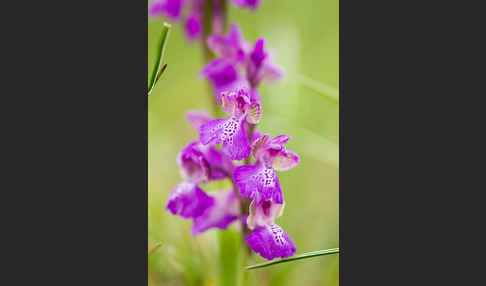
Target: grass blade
[[318, 87], [158, 57], [153, 249], [297, 257]]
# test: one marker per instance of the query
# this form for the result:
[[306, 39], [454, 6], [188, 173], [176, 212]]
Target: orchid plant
[[232, 147]]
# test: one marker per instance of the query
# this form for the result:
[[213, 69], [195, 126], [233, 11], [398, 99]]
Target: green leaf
[[297, 257], [156, 72]]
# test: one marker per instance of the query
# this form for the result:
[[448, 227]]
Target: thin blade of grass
[[151, 251], [297, 257], [318, 87], [158, 56]]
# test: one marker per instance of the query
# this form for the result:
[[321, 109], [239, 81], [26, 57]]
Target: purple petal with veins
[[231, 132], [271, 242], [258, 182]]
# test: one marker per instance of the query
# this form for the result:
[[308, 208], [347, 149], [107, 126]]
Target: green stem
[[301, 256]]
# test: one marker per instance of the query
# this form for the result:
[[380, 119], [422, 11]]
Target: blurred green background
[[303, 38]]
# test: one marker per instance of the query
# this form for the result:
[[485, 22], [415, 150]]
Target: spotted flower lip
[[231, 130], [221, 214], [270, 242], [188, 200], [258, 182]]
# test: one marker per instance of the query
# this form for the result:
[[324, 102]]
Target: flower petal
[[254, 114], [271, 72], [171, 8], [259, 144], [231, 46], [193, 27], [264, 213], [236, 102], [188, 200], [210, 132], [223, 212], [285, 160], [239, 83], [231, 132], [258, 182], [196, 118], [271, 242], [256, 135], [220, 72], [220, 164], [252, 4], [192, 164]]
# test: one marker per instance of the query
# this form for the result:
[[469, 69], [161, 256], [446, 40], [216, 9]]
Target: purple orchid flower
[[260, 181], [236, 54], [224, 71], [260, 67], [231, 47], [188, 200], [252, 4], [231, 130], [268, 239], [221, 214]]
